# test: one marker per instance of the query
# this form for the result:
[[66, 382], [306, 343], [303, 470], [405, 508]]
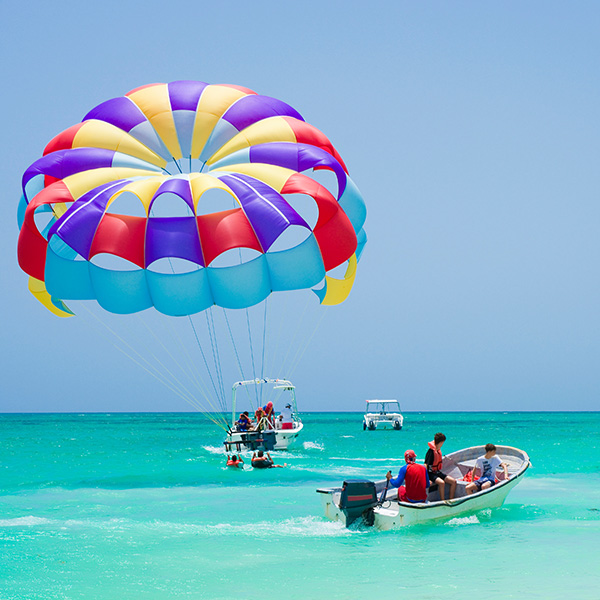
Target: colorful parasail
[[182, 140]]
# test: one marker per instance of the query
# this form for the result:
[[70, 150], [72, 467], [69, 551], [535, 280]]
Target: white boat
[[278, 433], [383, 414], [362, 499]]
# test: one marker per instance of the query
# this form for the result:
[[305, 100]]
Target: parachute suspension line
[[177, 165], [264, 342], [166, 349], [237, 356], [300, 352], [252, 355], [203, 356], [148, 367], [194, 378], [278, 336], [292, 340], [189, 400], [217, 359]]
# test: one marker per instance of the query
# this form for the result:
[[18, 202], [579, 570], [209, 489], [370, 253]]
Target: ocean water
[[119, 506]]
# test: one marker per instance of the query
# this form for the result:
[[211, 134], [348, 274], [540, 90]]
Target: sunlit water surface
[[141, 506]]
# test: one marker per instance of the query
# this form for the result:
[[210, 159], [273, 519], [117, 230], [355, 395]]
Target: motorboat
[[383, 414], [376, 505], [277, 432]]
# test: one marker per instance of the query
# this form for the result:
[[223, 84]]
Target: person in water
[[414, 476], [262, 461], [487, 464], [433, 462], [235, 461]]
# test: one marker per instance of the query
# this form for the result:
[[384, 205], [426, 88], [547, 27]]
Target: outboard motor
[[358, 499]]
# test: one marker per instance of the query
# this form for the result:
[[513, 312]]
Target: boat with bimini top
[[374, 504], [271, 429], [383, 414]]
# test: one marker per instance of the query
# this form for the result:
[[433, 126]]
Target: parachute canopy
[[168, 148]]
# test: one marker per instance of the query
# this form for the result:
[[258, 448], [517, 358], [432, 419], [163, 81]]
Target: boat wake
[[313, 446]]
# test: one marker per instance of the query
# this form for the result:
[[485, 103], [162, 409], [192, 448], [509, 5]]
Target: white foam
[[20, 521], [313, 446], [214, 450], [464, 520], [295, 527]]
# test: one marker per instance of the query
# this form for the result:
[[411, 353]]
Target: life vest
[[415, 480], [233, 463], [437, 457]]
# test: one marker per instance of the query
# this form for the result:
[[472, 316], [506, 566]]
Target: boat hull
[[284, 438], [392, 514]]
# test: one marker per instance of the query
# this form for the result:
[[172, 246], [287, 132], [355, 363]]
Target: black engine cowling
[[359, 497]]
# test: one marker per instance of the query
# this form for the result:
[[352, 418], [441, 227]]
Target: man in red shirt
[[414, 476]]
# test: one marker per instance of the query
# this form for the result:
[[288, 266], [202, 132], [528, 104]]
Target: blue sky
[[472, 130]]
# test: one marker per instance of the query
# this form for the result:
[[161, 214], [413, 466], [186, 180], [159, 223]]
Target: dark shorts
[[435, 474], [482, 480]]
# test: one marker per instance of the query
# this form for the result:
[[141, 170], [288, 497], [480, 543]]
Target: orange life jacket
[[437, 457]]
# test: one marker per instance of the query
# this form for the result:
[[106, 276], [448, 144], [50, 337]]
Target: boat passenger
[[487, 464], [262, 461], [259, 415], [244, 423], [416, 478], [286, 418], [268, 410], [433, 462]]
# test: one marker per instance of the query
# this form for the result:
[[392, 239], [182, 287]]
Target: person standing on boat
[[433, 462], [487, 464], [287, 420], [414, 476], [268, 410], [259, 415]]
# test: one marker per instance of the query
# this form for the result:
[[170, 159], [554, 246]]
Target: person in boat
[[235, 461], [260, 460], [433, 462], [244, 423], [286, 418], [269, 414], [415, 478], [259, 415], [487, 465]]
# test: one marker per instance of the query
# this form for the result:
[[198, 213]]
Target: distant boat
[[276, 433], [360, 499], [383, 414]]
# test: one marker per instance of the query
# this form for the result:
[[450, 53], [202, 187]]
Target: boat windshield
[[383, 406]]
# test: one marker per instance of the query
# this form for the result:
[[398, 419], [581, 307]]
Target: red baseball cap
[[410, 456]]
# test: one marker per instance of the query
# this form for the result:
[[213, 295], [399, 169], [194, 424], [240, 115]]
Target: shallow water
[[141, 506]]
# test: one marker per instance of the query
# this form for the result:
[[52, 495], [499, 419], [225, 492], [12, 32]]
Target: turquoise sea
[[121, 506]]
